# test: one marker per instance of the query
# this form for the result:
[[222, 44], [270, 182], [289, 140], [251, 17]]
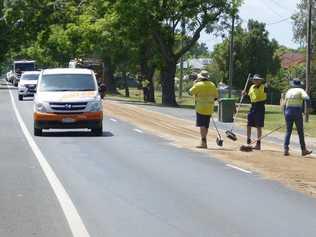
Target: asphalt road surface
[[129, 183]]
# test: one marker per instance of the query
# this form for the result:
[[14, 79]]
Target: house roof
[[196, 63], [291, 59]]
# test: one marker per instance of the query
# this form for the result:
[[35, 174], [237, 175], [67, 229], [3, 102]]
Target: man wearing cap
[[205, 93], [258, 96], [293, 112]]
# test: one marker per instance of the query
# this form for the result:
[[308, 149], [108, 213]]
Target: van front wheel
[[38, 132], [97, 131]]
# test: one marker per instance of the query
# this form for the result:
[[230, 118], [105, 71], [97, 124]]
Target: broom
[[249, 148], [229, 133]]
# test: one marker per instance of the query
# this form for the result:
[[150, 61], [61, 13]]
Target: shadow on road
[[75, 134]]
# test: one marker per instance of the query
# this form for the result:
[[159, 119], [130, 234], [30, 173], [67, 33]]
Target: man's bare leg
[[259, 134], [248, 134], [203, 132]]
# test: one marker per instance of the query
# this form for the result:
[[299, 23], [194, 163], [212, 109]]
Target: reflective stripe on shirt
[[295, 97]]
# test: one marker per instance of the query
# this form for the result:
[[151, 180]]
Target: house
[[291, 59], [196, 64]]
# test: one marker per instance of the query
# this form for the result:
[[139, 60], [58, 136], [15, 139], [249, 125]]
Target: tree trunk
[[167, 83], [147, 73], [109, 77], [151, 88], [126, 85]]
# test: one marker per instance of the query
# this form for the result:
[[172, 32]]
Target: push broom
[[229, 133], [249, 148]]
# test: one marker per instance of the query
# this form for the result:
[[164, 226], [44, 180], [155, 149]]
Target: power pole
[[308, 56], [231, 56], [181, 60]]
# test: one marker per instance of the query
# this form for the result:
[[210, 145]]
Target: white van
[[67, 98], [27, 84]]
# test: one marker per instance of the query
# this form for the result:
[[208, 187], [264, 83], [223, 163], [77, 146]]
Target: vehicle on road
[[27, 84], [22, 66], [67, 98], [10, 76]]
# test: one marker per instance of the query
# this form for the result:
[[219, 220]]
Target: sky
[[275, 13]]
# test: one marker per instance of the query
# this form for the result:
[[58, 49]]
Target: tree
[[254, 53], [300, 32], [162, 21]]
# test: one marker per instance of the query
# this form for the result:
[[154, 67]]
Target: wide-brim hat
[[257, 77], [296, 83], [203, 75]]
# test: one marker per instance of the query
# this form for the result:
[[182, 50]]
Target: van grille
[[72, 106]]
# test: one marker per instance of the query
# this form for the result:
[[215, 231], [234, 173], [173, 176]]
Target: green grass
[[273, 118]]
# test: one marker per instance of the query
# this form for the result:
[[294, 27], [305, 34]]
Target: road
[[129, 183]]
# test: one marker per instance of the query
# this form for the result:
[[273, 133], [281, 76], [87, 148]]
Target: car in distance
[[67, 98], [27, 84]]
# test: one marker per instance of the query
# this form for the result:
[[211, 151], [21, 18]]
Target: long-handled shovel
[[219, 140], [248, 148], [229, 133]]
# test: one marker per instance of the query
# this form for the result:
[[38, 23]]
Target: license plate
[[68, 120]]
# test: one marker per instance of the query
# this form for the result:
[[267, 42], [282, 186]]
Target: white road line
[[240, 169], [74, 220], [113, 120], [138, 130]]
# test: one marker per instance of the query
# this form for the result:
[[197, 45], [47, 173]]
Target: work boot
[[248, 141], [203, 144], [286, 152], [306, 152], [257, 146]]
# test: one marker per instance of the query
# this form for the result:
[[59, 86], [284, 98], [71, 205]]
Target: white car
[[27, 84], [67, 98]]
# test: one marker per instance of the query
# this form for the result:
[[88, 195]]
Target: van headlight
[[95, 106], [22, 86], [40, 107]]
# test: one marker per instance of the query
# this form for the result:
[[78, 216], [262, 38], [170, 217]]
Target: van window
[[30, 77], [67, 82]]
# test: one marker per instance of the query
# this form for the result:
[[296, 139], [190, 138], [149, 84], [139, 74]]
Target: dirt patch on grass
[[294, 171]]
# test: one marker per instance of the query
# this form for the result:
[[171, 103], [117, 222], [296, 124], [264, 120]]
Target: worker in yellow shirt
[[205, 93], [258, 96]]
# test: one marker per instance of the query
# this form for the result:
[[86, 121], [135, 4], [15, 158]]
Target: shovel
[[229, 133], [219, 140]]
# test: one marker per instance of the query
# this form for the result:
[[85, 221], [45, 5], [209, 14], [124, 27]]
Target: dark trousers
[[291, 118]]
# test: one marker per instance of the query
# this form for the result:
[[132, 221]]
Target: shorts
[[203, 120], [256, 117]]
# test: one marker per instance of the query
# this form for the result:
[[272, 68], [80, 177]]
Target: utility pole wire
[[278, 22]]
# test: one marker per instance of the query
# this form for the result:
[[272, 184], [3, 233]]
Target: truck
[[18, 67]]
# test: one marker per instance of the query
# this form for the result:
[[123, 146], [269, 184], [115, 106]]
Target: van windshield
[[24, 67], [67, 82], [31, 77]]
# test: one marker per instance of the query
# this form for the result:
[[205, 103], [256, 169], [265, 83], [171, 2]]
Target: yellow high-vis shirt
[[257, 94], [295, 97], [205, 93]]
